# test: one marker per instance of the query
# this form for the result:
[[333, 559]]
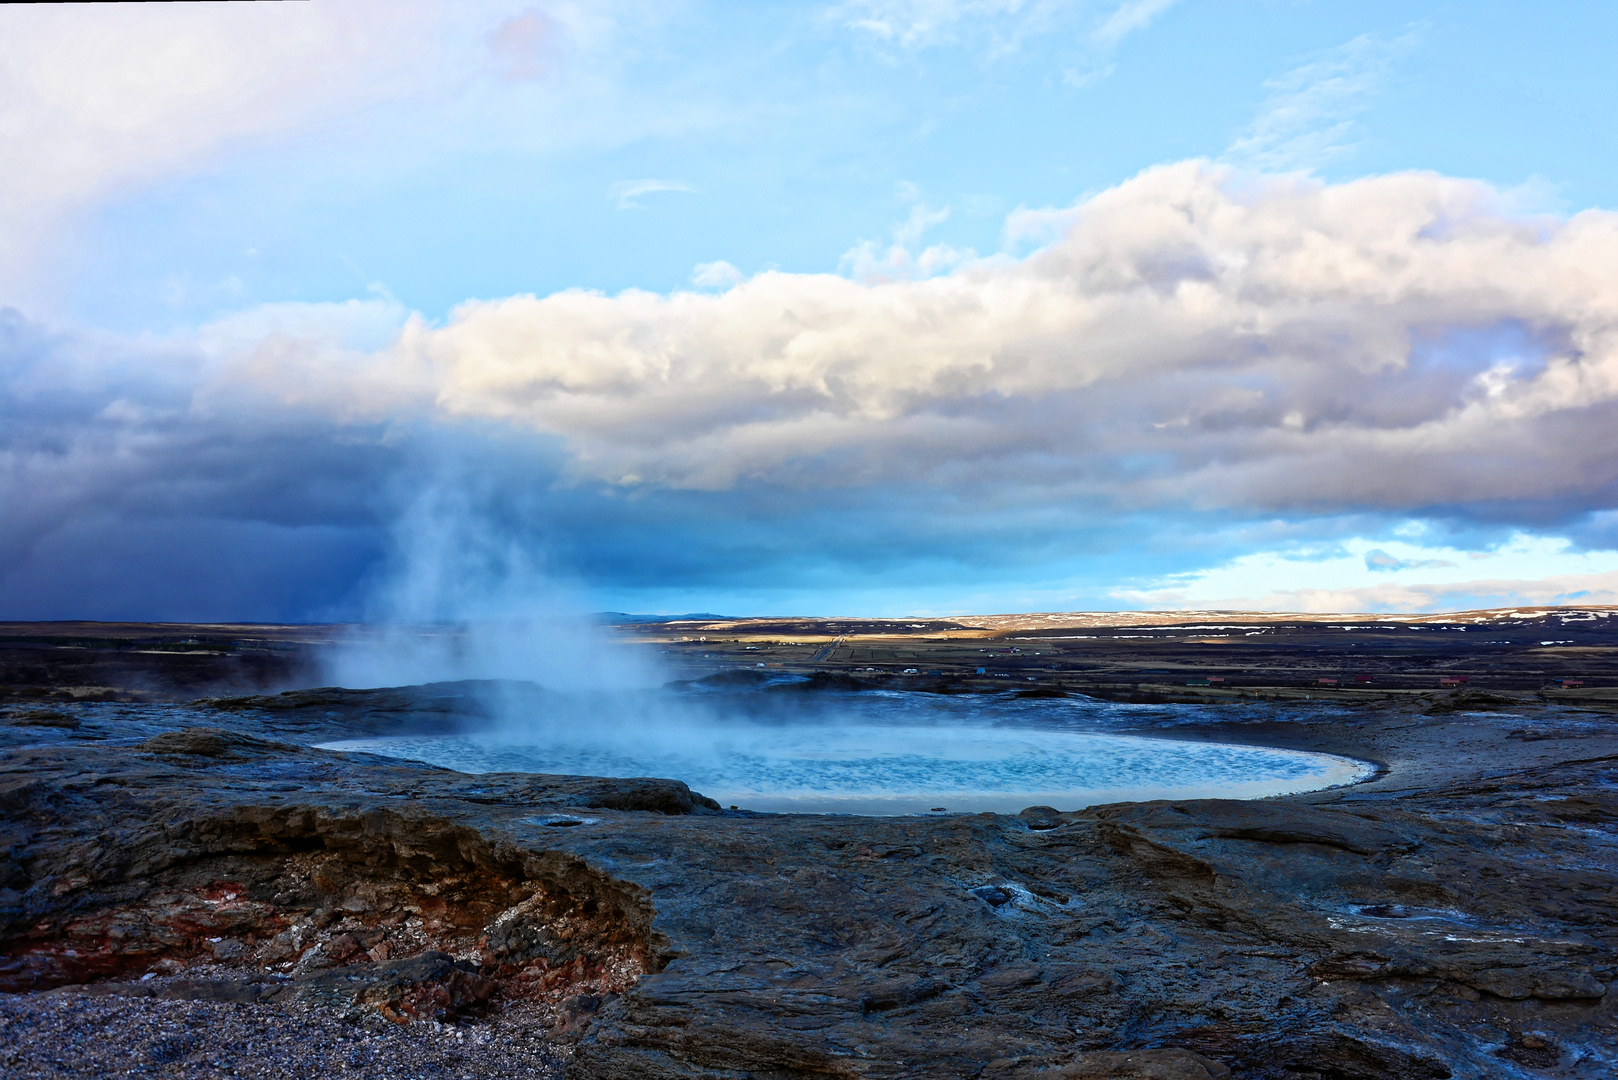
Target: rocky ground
[[196, 891], [73, 1033]]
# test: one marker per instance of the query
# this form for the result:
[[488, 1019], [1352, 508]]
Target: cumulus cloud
[[715, 275], [1198, 337], [869, 261], [1198, 341]]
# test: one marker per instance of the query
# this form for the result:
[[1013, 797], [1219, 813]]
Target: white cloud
[[1128, 17], [1342, 576], [97, 100], [913, 23], [715, 275], [1477, 594], [1197, 338], [96, 97], [1308, 116], [870, 261], [1384, 562], [626, 192], [1000, 27]]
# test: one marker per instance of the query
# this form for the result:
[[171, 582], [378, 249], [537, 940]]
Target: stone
[[1360, 934], [211, 742], [229, 949], [1169, 1064], [342, 948], [46, 718], [1042, 817], [431, 985]]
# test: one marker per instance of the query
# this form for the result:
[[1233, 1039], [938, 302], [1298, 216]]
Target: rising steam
[[463, 598], [466, 601]]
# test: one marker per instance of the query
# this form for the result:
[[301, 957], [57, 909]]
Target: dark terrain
[[83, 661], [1158, 656], [185, 879]]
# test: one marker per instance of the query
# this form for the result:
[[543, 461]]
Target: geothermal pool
[[879, 754]]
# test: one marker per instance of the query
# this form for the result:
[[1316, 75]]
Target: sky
[[878, 307]]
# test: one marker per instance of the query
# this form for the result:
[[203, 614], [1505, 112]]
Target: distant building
[[1325, 682]]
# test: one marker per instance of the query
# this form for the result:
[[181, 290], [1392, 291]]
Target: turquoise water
[[882, 754]]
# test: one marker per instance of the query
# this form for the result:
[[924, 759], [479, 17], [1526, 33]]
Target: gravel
[[69, 1033]]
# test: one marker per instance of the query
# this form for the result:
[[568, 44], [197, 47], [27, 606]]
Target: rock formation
[[1453, 917]]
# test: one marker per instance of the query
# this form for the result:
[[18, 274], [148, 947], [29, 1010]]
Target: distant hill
[[621, 618]]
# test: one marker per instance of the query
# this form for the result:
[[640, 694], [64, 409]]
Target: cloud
[[1199, 347], [999, 28], [101, 101], [1381, 561], [1198, 338], [916, 23], [1312, 571], [1584, 589], [1126, 18], [95, 99], [1307, 119], [625, 192], [715, 275], [870, 261]]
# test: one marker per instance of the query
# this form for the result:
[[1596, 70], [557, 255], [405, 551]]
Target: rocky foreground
[[195, 891]]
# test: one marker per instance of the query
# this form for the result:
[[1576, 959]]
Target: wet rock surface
[[1453, 917]]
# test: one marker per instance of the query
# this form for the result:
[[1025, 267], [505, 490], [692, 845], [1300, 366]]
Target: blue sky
[[882, 307], [788, 135]]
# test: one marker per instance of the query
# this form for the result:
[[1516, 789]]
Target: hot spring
[[873, 752]]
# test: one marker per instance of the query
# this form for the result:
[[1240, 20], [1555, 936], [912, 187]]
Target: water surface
[[878, 753]]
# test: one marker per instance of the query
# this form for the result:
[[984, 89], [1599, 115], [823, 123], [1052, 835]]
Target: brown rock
[[211, 743], [342, 948]]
